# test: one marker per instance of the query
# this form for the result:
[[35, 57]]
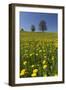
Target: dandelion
[[52, 57], [44, 66], [31, 54], [44, 62], [44, 53], [25, 62], [35, 70], [32, 66], [45, 56], [40, 51], [36, 54], [43, 50], [22, 72], [33, 74]]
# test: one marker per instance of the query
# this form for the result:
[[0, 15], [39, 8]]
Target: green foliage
[[42, 25], [22, 29], [32, 28]]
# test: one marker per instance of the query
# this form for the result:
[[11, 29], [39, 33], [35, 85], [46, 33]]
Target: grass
[[38, 54], [38, 36]]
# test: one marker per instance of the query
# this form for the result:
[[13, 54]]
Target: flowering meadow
[[38, 54]]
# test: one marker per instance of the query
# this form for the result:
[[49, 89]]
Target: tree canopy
[[32, 28], [21, 29], [42, 25]]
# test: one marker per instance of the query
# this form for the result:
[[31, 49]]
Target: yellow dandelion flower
[[40, 50], [52, 57], [43, 50], [25, 62], [44, 62], [22, 72], [35, 70], [32, 66], [44, 66], [36, 54], [45, 56], [33, 74], [31, 54]]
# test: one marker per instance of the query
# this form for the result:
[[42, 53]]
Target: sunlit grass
[[38, 54]]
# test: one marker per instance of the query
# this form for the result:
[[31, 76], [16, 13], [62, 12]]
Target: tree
[[42, 26], [32, 28], [22, 29]]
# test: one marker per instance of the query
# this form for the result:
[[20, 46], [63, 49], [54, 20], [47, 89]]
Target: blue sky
[[31, 18]]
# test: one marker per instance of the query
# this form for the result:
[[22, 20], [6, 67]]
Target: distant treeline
[[42, 27]]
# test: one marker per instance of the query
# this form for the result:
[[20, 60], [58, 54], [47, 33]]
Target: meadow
[[38, 54]]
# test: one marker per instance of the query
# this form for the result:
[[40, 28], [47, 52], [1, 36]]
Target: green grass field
[[42, 36], [38, 54]]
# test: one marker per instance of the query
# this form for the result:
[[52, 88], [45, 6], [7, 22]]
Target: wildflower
[[25, 62], [31, 54], [44, 62], [36, 54], [52, 57], [40, 51], [35, 70], [43, 50], [44, 66], [45, 56], [22, 72], [32, 66], [33, 74]]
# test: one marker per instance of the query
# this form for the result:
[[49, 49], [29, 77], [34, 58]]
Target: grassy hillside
[[38, 54], [38, 35]]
